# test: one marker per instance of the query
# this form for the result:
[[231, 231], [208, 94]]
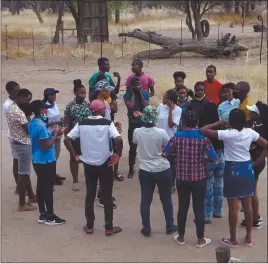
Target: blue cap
[[50, 91], [103, 85]]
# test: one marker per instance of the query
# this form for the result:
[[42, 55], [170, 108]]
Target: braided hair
[[190, 118]]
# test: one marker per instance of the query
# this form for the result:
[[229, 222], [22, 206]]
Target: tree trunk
[[56, 38], [189, 19], [36, 8], [195, 6], [117, 12], [236, 7], [14, 7]]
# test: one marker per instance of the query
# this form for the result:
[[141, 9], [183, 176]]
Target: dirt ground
[[24, 240]]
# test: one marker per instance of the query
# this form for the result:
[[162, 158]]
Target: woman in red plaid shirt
[[191, 148]]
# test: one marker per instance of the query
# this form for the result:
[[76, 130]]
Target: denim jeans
[[198, 190], [148, 181], [214, 193]]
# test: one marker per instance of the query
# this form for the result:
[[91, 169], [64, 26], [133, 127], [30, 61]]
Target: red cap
[[97, 105]]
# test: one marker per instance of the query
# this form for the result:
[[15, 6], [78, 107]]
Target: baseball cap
[[50, 91], [253, 108], [38, 104], [97, 105], [103, 85]]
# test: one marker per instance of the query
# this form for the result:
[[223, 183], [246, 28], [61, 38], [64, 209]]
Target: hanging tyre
[[205, 28]]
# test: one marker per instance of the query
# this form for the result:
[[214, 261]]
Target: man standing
[[135, 99], [18, 124], [95, 133], [104, 68], [12, 89]]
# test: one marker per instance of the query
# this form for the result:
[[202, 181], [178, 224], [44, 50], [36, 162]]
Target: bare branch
[[205, 9]]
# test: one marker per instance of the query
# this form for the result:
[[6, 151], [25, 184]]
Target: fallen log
[[226, 47]]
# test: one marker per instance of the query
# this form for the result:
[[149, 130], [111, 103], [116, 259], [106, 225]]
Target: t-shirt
[[93, 80], [243, 106], [150, 143], [137, 106], [237, 143], [15, 119], [37, 131], [77, 112], [162, 122], [53, 115], [95, 133], [212, 91], [226, 107], [146, 81], [6, 104]]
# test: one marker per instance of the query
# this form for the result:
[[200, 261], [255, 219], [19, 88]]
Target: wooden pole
[[219, 33], [33, 48], [84, 52], [244, 11], [18, 47], [6, 42], [261, 38], [122, 39], [181, 41], [149, 47]]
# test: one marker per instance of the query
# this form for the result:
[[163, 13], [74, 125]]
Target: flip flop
[[88, 231], [115, 230], [208, 241], [119, 177], [175, 238]]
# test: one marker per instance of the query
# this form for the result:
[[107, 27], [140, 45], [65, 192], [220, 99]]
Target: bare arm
[[113, 106], [262, 143], [117, 87], [67, 122], [130, 103], [152, 91], [25, 127], [46, 143], [143, 101], [119, 145], [209, 131], [69, 146]]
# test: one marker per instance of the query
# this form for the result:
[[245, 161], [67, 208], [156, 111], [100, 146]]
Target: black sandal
[[115, 230], [88, 231]]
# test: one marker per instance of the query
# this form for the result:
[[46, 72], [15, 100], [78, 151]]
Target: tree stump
[[223, 254]]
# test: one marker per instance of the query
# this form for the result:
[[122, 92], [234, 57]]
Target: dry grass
[[19, 33], [235, 19], [255, 75]]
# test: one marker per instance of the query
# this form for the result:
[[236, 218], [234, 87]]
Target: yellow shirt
[[243, 106]]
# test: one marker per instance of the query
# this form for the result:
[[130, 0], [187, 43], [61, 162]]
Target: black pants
[[46, 175], [132, 147], [198, 191], [172, 161], [104, 174]]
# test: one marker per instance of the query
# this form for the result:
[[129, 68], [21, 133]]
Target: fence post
[[33, 47], [149, 46], [6, 41], [181, 41], [260, 19], [18, 47]]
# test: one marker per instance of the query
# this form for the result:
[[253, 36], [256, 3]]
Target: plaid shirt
[[191, 148]]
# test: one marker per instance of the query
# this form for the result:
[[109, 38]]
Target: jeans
[[214, 193], [46, 175], [198, 190], [148, 181], [132, 147], [172, 161], [104, 174]]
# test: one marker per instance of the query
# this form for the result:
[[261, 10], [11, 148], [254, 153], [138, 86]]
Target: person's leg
[[218, 187], [209, 195], [233, 205], [132, 152], [15, 173], [105, 175], [198, 196], [147, 184], [164, 184], [91, 185], [74, 167], [184, 195], [255, 203], [247, 207], [172, 161]]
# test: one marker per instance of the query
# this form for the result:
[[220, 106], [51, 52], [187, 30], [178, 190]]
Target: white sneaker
[[76, 186]]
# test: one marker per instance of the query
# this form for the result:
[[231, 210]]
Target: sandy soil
[[23, 240]]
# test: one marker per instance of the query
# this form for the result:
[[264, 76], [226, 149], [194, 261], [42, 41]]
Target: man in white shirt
[[95, 133], [154, 170], [12, 89]]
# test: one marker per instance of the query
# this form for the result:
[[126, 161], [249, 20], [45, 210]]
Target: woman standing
[[44, 162], [258, 122], [182, 102], [53, 119], [169, 116], [76, 111], [238, 172]]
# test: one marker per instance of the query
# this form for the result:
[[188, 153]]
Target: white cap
[[253, 108]]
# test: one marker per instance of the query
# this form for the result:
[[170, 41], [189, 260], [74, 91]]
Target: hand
[[137, 113], [118, 126], [223, 123], [114, 160], [170, 104], [61, 122], [76, 158], [117, 75]]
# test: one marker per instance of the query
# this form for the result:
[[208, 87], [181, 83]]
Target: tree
[[36, 8], [195, 9], [56, 38], [138, 4]]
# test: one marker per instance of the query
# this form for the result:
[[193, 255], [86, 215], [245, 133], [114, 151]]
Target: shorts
[[57, 145], [76, 146], [14, 155], [258, 169], [238, 179], [23, 153]]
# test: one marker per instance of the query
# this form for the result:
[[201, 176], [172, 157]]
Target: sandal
[[115, 230], [27, 207], [88, 231], [119, 177], [175, 238], [208, 241]]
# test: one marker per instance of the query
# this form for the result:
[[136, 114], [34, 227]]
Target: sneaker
[[227, 241], [171, 231], [146, 234], [255, 225], [102, 205], [42, 218], [54, 220], [248, 241], [76, 186]]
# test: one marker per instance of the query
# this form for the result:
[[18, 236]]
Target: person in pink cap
[[95, 133]]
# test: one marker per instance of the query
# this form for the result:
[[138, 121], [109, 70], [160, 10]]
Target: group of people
[[208, 143]]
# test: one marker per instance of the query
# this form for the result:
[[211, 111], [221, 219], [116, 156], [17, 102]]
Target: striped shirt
[[191, 148]]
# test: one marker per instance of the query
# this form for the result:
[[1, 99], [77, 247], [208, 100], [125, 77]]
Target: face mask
[[43, 117], [200, 99], [182, 99]]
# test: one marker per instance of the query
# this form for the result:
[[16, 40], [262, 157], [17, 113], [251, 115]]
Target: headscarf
[[150, 114]]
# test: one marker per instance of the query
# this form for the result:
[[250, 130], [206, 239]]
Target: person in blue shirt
[[135, 99], [44, 162], [230, 102]]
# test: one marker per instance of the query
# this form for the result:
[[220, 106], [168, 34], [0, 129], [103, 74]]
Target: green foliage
[[112, 5]]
